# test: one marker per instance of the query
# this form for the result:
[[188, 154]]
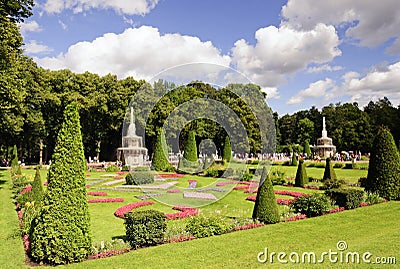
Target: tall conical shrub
[[61, 232], [301, 175], [227, 151], [160, 161], [190, 148], [294, 159], [384, 166], [37, 188], [265, 208], [329, 173], [14, 160], [307, 149]]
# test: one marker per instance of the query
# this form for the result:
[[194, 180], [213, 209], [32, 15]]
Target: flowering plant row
[[27, 189], [106, 200], [219, 184], [109, 253], [174, 190], [170, 175], [99, 193], [120, 212], [248, 226], [334, 210], [281, 201], [290, 193], [184, 212], [181, 238], [294, 218], [311, 187], [241, 187]]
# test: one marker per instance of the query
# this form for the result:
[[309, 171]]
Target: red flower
[[185, 211], [106, 200], [120, 212], [100, 193]]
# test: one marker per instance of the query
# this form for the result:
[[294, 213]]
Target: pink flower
[[100, 193], [27, 189], [290, 193], [181, 239], [248, 226], [185, 211], [106, 200], [174, 191], [299, 217], [120, 212]]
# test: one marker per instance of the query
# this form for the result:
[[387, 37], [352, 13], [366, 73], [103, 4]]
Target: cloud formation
[[31, 26], [314, 90], [33, 47]]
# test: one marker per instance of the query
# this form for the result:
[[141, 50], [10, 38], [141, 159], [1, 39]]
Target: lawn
[[233, 250]]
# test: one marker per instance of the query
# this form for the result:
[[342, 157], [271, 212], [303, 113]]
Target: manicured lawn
[[234, 250]]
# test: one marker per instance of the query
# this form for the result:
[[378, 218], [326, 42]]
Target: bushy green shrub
[[301, 175], [319, 165], [190, 148], [338, 165], [145, 228], [14, 160], [247, 176], [125, 168], [19, 182], [227, 150], [347, 198], [312, 205], [372, 198], [112, 168], [294, 160], [61, 231], [332, 184], [329, 172], [139, 178], [160, 158], [211, 172], [200, 226], [384, 166], [141, 169], [265, 207], [37, 188]]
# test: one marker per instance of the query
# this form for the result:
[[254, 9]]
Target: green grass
[[235, 250]]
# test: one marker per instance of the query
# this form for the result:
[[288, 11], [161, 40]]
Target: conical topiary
[[160, 161], [190, 148], [14, 161], [265, 208], [294, 160], [307, 149], [301, 175], [37, 188], [227, 151], [61, 232], [384, 166], [329, 173]]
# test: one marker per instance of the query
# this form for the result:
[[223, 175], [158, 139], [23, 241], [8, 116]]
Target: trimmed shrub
[[212, 172], [200, 226], [139, 178], [384, 166], [265, 208], [301, 175], [141, 169], [338, 165], [347, 198], [227, 150], [112, 168], [14, 161], [125, 168], [61, 232], [190, 148], [145, 228], [247, 176], [160, 159], [332, 184], [294, 160], [312, 205], [307, 149], [37, 188], [329, 173]]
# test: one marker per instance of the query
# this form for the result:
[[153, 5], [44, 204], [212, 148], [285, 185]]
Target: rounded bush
[[139, 178], [201, 226], [311, 205]]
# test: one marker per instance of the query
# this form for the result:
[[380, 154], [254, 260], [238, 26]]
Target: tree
[[227, 151], [160, 158], [16, 10], [329, 173], [61, 232], [384, 166], [265, 207], [294, 160], [190, 148], [304, 130], [301, 175], [307, 149]]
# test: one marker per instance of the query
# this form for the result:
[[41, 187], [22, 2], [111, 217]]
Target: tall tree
[[61, 232], [227, 151], [16, 10], [190, 153], [160, 158]]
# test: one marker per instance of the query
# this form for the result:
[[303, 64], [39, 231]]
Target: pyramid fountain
[[324, 147], [132, 150]]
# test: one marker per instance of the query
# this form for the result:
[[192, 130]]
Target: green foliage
[[160, 159], [329, 172], [61, 232], [265, 208], [141, 168], [227, 151], [301, 175], [14, 161], [145, 228], [19, 182], [201, 226], [294, 160], [384, 167], [312, 205], [190, 148], [347, 198], [338, 165], [211, 172], [139, 178], [247, 176], [372, 198], [125, 168], [112, 168], [332, 184], [16, 10], [37, 188]]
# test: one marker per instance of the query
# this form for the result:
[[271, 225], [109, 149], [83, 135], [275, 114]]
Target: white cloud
[[283, 51], [63, 25], [369, 21], [394, 48], [131, 7], [34, 47], [323, 68], [138, 52], [272, 92], [314, 90], [31, 26]]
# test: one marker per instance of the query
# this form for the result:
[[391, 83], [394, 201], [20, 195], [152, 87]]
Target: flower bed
[[174, 190], [99, 193], [290, 193], [294, 218], [181, 238], [311, 187], [120, 212], [27, 189], [170, 175], [334, 210], [106, 200], [241, 187], [281, 201], [220, 184], [109, 253], [248, 226], [184, 212]]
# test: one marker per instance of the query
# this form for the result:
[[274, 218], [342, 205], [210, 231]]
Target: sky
[[302, 53]]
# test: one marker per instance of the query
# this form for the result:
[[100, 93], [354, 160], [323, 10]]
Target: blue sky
[[301, 52]]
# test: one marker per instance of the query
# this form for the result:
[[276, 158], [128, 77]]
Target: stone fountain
[[132, 150], [324, 147]]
